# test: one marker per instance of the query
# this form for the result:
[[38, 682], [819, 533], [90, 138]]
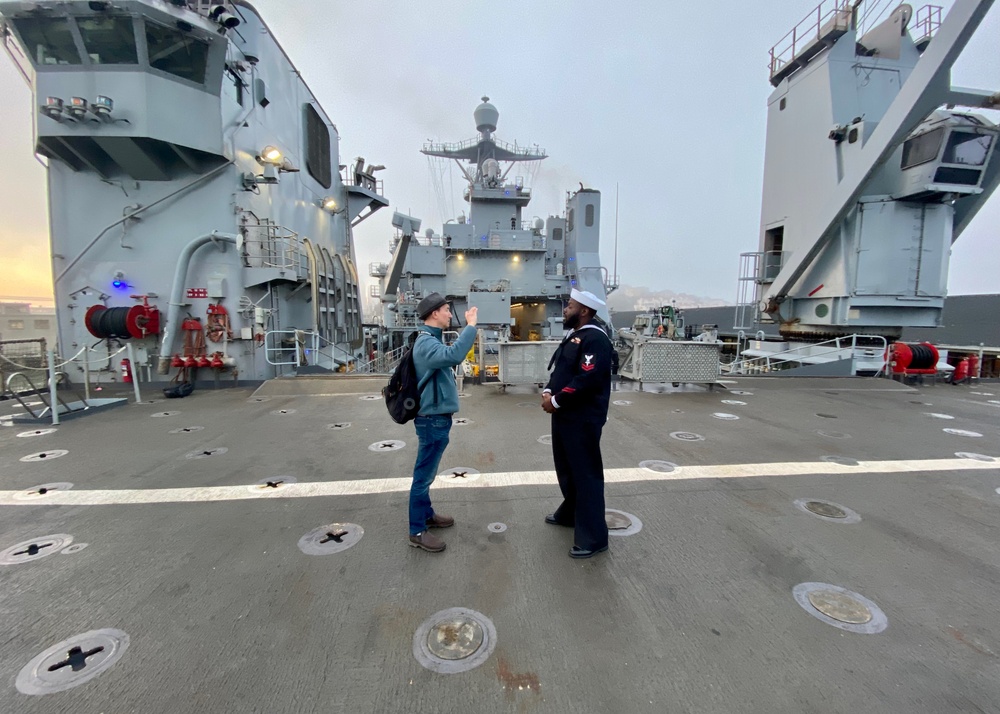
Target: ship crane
[[891, 185]]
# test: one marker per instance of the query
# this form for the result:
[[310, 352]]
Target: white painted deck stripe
[[487, 480]]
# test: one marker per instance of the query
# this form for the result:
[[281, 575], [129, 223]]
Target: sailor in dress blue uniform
[[577, 396]]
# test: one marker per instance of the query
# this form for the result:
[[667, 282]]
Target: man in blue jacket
[[438, 402]]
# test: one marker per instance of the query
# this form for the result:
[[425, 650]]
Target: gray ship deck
[[693, 613]]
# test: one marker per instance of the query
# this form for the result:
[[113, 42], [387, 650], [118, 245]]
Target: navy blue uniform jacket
[[581, 376]]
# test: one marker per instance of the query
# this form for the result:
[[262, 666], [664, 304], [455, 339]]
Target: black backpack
[[402, 394]]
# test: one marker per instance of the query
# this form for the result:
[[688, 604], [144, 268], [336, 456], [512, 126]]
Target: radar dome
[[539, 224], [486, 116], [491, 168]]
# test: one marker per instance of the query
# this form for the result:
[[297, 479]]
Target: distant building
[[24, 321]]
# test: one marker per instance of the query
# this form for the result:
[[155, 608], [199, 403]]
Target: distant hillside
[[627, 298]]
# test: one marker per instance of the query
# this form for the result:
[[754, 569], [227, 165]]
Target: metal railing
[[810, 30], [926, 23], [272, 246], [835, 349]]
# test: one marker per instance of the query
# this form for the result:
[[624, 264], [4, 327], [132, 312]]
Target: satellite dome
[[486, 116], [539, 224]]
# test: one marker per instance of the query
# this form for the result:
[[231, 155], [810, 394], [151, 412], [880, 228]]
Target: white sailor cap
[[587, 298]]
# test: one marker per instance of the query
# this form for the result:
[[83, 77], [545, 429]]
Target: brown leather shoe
[[439, 520], [428, 542]]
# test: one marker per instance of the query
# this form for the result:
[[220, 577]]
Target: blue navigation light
[[119, 284], [572, 258], [572, 282], [506, 193]]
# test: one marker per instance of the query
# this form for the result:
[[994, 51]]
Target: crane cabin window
[[49, 40], [109, 40], [967, 148], [176, 52], [318, 148], [923, 148]]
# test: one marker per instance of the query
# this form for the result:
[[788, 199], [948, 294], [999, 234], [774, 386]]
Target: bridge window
[[49, 40], [176, 52], [109, 40], [318, 148], [967, 148], [41, 324], [557, 233], [15, 324], [588, 215], [923, 148]]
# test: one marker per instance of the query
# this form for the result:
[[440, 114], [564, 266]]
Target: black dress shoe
[[575, 552], [551, 520]]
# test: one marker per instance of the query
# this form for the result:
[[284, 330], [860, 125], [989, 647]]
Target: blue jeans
[[432, 437]]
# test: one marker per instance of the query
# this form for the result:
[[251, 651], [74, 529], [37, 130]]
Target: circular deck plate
[[686, 436], [956, 432], [331, 538], [44, 455], [457, 475], [277, 483], [36, 432], [657, 466], [827, 510], [618, 518], [460, 421], [387, 445], [724, 416], [833, 434], [497, 527], [339, 425], [545, 439], [36, 677], [186, 429], [975, 457], [734, 402], [160, 415], [36, 493], [841, 608], [206, 453], [75, 548], [370, 397], [622, 403], [34, 549], [842, 460], [282, 412], [741, 391], [463, 395], [454, 640], [937, 415], [259, 399]]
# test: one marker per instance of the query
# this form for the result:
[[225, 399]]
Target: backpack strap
[[430, 375]]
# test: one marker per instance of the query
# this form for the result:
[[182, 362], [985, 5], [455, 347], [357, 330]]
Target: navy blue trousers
[[576, 451]]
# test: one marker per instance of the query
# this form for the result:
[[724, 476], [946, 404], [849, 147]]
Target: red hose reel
[[137, 321]]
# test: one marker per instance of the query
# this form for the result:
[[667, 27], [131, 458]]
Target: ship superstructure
[[519, 272], [871, 173], [197, 202]]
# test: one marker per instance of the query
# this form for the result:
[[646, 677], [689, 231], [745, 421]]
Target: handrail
[[810, 33], [769, 363]]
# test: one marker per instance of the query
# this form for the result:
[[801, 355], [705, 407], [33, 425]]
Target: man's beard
[[571, 322]]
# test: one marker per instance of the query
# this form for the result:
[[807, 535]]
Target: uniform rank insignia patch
[[575, 340], [588, 363]]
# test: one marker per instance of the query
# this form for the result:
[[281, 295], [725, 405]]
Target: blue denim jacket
[[440, 395]]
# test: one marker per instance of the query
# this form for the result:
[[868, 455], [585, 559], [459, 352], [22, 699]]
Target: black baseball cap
[[429, 304]]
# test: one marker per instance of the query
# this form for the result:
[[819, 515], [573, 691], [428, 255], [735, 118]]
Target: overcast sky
[[666, 100]]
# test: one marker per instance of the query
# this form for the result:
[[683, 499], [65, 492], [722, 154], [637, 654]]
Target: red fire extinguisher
[[126, 371]]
